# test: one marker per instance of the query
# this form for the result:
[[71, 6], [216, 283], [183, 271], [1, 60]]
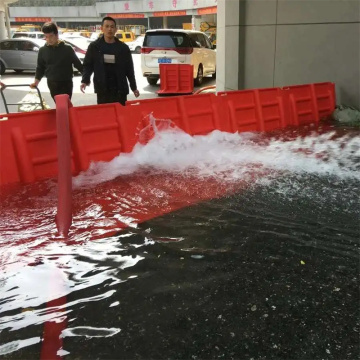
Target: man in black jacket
[[111, 62], [56, 60]]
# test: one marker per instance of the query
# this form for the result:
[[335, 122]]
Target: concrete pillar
[[165, 22], [7, 19], [195, 22], [228, 45], [3, 32]]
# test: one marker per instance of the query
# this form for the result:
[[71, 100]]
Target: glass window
[[167, 40], [202, 41], [19, 35], [194, 40], [26, 46], [208, 42], [8, 45]]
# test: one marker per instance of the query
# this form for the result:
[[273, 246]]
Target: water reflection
[[269, 267]]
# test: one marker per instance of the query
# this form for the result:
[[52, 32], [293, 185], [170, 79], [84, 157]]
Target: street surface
[[15, 95]]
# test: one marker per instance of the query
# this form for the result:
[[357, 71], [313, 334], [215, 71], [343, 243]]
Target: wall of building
[[285, 42], [119, 7]]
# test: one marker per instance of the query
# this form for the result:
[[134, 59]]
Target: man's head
[[50, 31], [108, 27]]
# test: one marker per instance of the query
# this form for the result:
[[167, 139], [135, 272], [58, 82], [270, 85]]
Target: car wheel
[[200, 76], [138, 50], [2, 68], [152, 81], [18, 71]]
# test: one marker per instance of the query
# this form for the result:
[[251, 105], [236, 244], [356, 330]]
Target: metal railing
[[2, 89]]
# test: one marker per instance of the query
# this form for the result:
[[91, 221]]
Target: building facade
[[260, 43], [150, 13], [286, 42]]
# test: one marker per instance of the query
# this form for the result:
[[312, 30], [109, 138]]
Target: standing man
[[56, 60], [111, 62]]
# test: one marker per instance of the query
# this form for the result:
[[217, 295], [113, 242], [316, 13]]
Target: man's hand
[[83, 87], [136, 93], [2, 85], [35, 84]]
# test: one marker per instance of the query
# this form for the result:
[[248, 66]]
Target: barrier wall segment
[[309, 102], [254, 110], [101, 132], [28, 147], [176, 79], [96, 133]]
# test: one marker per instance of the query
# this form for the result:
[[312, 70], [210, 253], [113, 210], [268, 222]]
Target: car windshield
[[166, 40]]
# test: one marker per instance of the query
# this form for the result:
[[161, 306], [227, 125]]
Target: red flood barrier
[[254, 110], [309, 103], [28, 147], [28, 141], [176, 79]]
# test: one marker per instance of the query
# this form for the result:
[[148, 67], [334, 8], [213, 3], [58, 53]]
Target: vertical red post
[[64, 207]]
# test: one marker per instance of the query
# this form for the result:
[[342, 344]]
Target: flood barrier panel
[[176, 79], [28, 141]]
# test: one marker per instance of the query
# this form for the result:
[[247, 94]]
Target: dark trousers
[[106, 97], [60, 87]]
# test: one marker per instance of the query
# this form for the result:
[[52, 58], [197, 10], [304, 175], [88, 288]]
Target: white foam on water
[[89, 332], [18, 344], [232, 156]]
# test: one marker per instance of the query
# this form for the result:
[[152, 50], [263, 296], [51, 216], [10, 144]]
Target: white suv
[[168, 46]]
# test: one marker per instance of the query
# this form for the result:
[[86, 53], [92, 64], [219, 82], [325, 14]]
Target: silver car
[[19, 54]]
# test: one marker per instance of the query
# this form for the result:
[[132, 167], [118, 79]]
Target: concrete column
[[196, 21], [3, 32], [7, 18], [165, 22], [229, 43]]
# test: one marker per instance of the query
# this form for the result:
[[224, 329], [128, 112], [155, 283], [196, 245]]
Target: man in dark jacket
[[111, 62], [56, 60]]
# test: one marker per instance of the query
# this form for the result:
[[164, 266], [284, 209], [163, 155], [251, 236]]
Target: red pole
[[64, 207]]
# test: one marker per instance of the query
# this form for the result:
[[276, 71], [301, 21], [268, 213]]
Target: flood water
[[229, 246]]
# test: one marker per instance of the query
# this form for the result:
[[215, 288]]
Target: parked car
[[19, 54], [79, 46], [95, 35], [136, 45], [28, 34], [81, 33], [165, 46], [79, 41], [125, 36]]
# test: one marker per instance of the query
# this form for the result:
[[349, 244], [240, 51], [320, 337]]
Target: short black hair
[[108, 18], [49, 28]]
